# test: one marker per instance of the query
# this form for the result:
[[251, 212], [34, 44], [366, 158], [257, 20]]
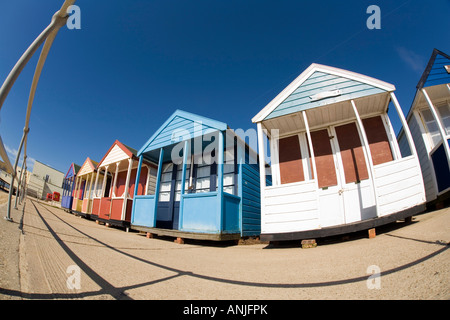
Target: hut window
[[290, 160], [229, 170], [98, 188], [151, 186], [203, 180], [431, 126], [178, 181], [444, 111], [378, 140], [228, 178], [166, 182], [108, 186]]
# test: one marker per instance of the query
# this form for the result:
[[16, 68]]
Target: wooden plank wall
[[399, 185]]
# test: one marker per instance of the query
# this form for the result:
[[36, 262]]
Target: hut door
[[330, 199], [164, 217], [356, 189], [169, 196]]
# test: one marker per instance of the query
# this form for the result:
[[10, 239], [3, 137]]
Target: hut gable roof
[[181, 125], [117, 152], [320, 85], [436, 72], [73, 170], [87, 167]]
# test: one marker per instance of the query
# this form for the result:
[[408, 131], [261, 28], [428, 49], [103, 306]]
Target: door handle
[[341, 191]]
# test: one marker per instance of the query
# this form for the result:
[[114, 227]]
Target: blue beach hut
[[206, 184], [429, 120], [68, 186]]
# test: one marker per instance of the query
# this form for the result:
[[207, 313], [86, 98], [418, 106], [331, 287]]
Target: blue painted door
[[441, 168], [164, 215], [168, 211]]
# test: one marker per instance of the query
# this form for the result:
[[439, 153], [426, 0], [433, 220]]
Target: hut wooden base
[[152, 232], [343, 229]]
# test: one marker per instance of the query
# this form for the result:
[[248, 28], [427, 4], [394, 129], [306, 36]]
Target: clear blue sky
[[133, 63]]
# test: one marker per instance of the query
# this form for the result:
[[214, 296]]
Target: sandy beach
[[45, 247]]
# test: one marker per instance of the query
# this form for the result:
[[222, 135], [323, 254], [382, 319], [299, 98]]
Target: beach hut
[[335, 161], [68, 186], [429, 120], [112, 204], [83, 192], [207, 182]]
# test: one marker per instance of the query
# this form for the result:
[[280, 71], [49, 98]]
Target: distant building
[[44, 179], [5, 176]]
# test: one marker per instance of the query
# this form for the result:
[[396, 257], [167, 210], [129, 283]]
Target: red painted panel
[[84, 208], [120, 184], [128, 212], [326, 170], [132, 182], [116, 209], [290, 158], [95, 206], [105, 205], [142, 181], [74, 204], [378, 140], [352, 154]]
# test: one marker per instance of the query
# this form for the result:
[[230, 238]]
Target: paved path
[[45, 246]]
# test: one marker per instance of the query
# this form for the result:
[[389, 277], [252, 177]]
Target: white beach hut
[[335, 161]]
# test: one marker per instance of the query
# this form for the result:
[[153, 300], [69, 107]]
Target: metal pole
[[15, 72], [11, 186], [49, 33], [57, 21], [24, 185], [20, 181]]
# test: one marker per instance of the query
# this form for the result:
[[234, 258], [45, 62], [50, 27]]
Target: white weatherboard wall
[[419, 136], [399, 185], [115, 155], [291, 207], [295, 207], [85, 169]]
